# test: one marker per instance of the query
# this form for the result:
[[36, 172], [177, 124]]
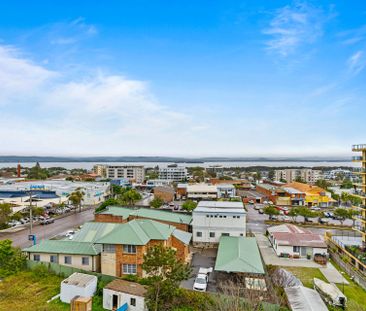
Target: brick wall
[[109, 218]]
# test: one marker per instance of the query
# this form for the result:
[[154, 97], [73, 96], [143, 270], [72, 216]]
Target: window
[[85, 261], [67, 260], [36, 257], [212, 234], [108, 248], [241, 234], [53, 258], [133, 302], [296, 249], [129, 249], [225, 234], [129, 268], [207, 216], [199, 234]]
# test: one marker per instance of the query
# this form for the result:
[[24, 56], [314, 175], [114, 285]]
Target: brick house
[[117, 214], [123, 247], [167, 194]]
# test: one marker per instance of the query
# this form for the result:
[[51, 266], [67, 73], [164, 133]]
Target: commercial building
[[292, 241], [285, 196], [123, 248], [201, 192], [117, 214], [123, 295], [226, 191], [314, 195], [360, 190], [167, 194], [213, 219], [152, 183], [173, 172], [290, 175], [134, 173]]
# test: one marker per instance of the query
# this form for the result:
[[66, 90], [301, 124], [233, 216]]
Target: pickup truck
[[201, 281]]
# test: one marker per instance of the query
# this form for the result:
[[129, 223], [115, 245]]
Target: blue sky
[[187, 78]]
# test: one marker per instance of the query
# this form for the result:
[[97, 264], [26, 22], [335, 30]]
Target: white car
[[200, 283]]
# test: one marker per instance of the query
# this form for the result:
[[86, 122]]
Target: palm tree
[[76, 197]]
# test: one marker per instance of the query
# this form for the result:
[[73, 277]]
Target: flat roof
[[239, 254], [221, 204], [201, 188], [123, 286], [80, 279]]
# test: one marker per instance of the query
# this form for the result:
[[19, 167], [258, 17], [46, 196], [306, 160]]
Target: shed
[[123, 295], [78, 284]]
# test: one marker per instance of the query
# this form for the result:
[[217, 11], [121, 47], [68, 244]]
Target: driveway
[[270, 258], [202, 258]]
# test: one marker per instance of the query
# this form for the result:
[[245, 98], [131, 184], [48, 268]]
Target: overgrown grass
[[306, 275]]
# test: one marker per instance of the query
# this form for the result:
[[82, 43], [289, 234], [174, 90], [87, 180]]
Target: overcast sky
[[182, 78]]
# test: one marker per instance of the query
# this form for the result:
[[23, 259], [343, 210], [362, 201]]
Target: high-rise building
[[134, 173], [100, 170], [307, 175], [360, 190], [173, 172]]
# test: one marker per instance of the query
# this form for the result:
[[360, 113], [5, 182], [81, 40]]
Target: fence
[[66, 271]]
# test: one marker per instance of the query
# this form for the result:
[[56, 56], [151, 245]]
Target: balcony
[[358, 159], [360, 147], [359, 170], [361, 229], [359, 193]]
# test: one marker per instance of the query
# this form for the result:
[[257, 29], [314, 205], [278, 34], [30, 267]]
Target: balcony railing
[[359, 170], [360, 228], [357, 158], [359, 192], [359, 147]]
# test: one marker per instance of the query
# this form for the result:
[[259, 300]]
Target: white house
[[292, 241], [201, 192], [226, 191], [120, 293], [213, 219], [78, 284]]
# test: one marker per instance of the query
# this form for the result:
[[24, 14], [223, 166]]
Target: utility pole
[[30, 212]]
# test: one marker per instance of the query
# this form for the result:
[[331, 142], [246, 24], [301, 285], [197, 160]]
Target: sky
[[182, 78]]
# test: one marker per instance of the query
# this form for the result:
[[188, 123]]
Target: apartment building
[[289, 175], [134, 173], [100, 170], [213, 219], [173, 172]]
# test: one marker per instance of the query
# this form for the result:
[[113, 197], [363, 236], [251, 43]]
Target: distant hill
[[8, 159]]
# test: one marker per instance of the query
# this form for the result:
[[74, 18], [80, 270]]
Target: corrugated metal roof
[[156, 214], [92, 231], [239, 254], [137, 232], [183, 236], [65, 247]]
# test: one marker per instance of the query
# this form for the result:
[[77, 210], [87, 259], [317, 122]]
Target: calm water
[[89, 165]]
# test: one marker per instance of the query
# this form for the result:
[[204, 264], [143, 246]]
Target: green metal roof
[[65, 247], [92, 231], [183, 236], [152, 213], [239, 254], [137, 232]]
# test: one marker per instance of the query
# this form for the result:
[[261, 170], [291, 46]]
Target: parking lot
[[204, 258]]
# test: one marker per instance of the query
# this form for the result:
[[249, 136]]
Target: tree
[[271, 174], [306, 212], [189, 205], [129, 197], [293, 213], [271, 211], [346, 184], [105, 204], [5, 212], [165, 273], [76, 197], [322, 183], [342, 214], [36, 172], [157, 202], [351, 214], [12, 259]]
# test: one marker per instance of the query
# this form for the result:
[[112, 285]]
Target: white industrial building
[[173, 172], [78, 284], [134, 173], [201, 192], [226, 191], [213, 219], [125, 295]]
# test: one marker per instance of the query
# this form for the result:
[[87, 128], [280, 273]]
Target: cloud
[[294, 26], [356, 62], [353, 36]]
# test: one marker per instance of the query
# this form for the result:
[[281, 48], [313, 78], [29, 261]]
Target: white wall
[[68, 291], [122, 299]]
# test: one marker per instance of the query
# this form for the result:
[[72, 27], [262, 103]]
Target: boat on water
[[330, 293]]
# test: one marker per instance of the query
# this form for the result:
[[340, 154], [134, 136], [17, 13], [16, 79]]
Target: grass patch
[[306, 275], [29, 291]]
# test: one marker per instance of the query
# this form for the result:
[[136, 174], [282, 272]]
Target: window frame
[[129, 249], [87, 259]]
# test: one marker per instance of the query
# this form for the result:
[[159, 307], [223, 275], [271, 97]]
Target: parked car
[[315, 208], [251, 202], [201, 281], [47, 221], [257, 208], [323, 220], [308, 219], [69, 233], [261, 211]]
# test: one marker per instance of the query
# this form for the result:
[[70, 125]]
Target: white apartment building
[[201, 192], [134, 173], [290, 175], [213, 219], [226, 191], [173, 172]]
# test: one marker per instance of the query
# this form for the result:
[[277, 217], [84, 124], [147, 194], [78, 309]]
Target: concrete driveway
[[270, 258], [202, 258]]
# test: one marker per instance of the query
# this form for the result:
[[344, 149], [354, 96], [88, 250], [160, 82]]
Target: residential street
[[61, 225]]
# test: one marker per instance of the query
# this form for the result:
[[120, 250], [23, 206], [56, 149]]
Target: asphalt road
[[61, 225]]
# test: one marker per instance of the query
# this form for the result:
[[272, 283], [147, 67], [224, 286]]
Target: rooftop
[[221, 204], [151, 213], [80, 279], [123, 286], [92, 231], [201, 188], [64, 247], [239, 254]]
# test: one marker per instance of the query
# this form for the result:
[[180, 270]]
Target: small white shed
[[78, 284], [123, 295]]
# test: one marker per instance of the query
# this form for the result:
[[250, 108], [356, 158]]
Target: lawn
[[355, 294], [28, 291]]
